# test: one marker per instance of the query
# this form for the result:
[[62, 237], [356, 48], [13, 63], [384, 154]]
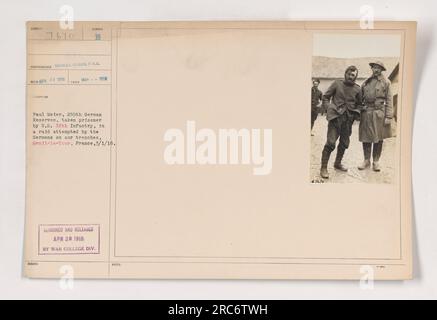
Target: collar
[[348, 83]]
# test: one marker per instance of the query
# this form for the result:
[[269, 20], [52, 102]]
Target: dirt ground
[[352, 158]]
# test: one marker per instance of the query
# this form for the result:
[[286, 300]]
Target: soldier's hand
[[387, 121]]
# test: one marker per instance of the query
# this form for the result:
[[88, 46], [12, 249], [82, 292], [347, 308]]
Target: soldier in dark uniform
[[376, 115], [343, 100], [316, 98]]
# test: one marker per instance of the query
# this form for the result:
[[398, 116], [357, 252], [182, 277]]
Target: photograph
[[218, 159], [354, 97]]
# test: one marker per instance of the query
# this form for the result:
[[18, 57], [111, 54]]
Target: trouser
[[340, 127], [313, 118], [377, 150]]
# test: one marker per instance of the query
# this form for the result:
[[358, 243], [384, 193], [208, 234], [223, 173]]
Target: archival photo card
[[185, 150]]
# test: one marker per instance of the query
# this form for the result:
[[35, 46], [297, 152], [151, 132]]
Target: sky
[[341, 45]]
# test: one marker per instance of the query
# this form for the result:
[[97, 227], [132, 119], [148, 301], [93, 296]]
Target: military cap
[[378, 63]]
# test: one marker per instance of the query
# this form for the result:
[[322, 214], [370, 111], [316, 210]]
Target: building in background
[[394, 78], [328, 69]]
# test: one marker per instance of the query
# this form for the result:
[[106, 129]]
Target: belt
[[373, 106]]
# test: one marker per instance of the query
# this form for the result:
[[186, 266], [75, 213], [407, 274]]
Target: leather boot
[[365, 165], [376, 166], [377, 150], [324, 173], [337, 164], [367, 149], [325, 158]]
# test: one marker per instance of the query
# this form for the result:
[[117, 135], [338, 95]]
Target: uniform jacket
[[377, 94], [316, 97], [340, 97]]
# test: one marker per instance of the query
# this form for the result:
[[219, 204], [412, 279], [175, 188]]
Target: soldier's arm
[[319, 98], [389, 102], [362, 104], [326, 98], [359, 100]]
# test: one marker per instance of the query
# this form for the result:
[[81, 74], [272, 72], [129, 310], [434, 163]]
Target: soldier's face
[[376, 70], [315, 84], [351, 75]]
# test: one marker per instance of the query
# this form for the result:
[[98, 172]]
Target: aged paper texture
[[186, 150]]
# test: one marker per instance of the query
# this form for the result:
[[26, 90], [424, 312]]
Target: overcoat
[[378, 106]]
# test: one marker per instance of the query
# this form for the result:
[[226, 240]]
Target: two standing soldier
[[346, 101]]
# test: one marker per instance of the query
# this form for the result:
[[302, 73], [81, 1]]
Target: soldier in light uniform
[[376, 115], [343, 101]]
